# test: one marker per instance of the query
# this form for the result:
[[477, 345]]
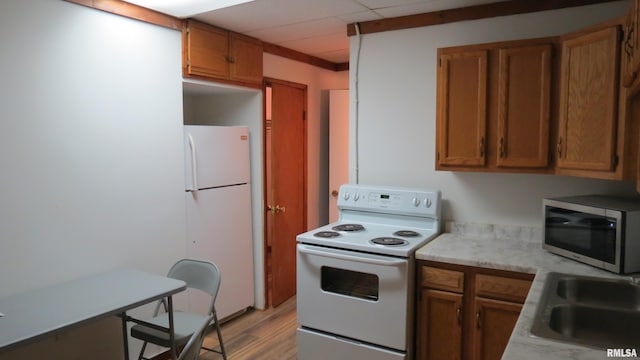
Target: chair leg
[[144, 346], [222, 351]]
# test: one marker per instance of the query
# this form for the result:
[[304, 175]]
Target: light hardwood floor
[[264, 335]]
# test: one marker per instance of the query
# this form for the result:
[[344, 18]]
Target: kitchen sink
[[598, 291], [591, 311], [596, 326]]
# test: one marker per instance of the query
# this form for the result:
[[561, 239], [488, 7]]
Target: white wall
[[90, 145], [319, 82], [397, 107]]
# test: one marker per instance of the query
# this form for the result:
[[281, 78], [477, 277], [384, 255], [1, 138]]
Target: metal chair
[[197, 274], [191, 350]]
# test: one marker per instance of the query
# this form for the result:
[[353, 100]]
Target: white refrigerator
[[218, 197]]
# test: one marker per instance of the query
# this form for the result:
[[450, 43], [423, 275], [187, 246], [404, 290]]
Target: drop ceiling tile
[[319, 44], [302, 30], [359, 16], [376, 4], [262, 14], [394, 8]]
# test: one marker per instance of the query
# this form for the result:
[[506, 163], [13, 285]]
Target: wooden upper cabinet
[[494, 107], [524, 83], [589, 101], [215, 53], [462, 108], [629, 48], [206, 50], [245, 58]]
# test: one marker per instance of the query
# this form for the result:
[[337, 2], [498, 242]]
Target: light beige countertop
[[515, 249]]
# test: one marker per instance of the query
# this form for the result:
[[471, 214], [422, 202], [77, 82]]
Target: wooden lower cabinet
[[472, 321], [442, 335], [495, 321]]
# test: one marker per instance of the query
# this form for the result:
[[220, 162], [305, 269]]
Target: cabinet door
[[589, 101], [439, 332], [628, 54], [245, 56], [462, 109], [524, 84], [206, 50], [494, 323]]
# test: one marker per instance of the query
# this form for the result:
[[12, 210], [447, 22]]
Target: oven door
[[356, 295]]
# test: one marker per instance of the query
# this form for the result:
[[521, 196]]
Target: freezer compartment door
[[216, 156], [219, 229], [320, 346]]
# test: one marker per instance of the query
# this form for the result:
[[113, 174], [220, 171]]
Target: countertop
[[515, 249]]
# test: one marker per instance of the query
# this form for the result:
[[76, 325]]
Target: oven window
[[350, 283]]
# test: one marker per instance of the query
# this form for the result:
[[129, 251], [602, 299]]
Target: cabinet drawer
[[502, 288], [443, 279]]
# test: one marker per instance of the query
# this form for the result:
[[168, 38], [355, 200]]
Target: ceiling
[[317, 27]]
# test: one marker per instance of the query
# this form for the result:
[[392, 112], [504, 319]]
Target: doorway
[[338, 147], [286, 184]]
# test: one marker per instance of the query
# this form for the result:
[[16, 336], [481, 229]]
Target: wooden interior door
[[286, 199]]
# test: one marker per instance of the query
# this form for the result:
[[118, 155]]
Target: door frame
[[267, 81]]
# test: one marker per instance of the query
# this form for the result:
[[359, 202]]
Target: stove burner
[[406, 233], [348, 227], [390, 241], [326, 234]]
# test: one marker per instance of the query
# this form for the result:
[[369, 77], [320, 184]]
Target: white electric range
[[355, 277]]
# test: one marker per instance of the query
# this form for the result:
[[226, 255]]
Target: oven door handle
[[367, 260]]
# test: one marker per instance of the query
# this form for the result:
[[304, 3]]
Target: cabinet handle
[[231, 59], [482, 147], [560, 148], [459, 315], [628, 44], [502, 147], [280, 209], [478, 325]]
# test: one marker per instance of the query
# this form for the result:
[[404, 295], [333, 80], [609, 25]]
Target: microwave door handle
[[306, 250], [194, 164]]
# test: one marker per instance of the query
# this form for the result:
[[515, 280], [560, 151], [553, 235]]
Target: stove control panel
[[393, 200]]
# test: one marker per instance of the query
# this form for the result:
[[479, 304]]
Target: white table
[[32, 315]]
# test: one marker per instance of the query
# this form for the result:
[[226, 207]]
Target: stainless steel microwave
[[602, 231]]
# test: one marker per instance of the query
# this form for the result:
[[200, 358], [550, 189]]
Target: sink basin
[[594, 326], [597, 312], [600, 292]]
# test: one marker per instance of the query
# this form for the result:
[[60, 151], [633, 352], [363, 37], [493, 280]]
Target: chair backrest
[[191, 350], [198, 274]]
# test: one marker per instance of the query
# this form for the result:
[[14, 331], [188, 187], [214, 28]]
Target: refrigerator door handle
[[194, 167]]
